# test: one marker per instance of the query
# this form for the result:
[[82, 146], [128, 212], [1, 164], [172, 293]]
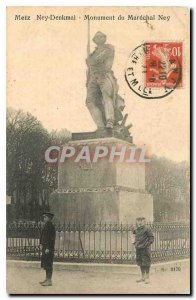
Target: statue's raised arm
[[103, 101]]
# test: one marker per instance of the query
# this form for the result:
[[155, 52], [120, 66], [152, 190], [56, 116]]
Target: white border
[[3, 4], [173, 3]]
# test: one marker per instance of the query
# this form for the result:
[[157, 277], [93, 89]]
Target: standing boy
[[143, 240], [47, 240]]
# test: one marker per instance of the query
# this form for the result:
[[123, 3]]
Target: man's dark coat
[[47, 240]]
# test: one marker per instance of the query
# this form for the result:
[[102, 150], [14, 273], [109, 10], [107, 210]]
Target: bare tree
[[168, 182]]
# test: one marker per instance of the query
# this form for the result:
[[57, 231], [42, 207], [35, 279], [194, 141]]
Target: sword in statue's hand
[[88, 52], [88, 44]]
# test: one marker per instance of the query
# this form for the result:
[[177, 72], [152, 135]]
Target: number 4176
[[175, 268]]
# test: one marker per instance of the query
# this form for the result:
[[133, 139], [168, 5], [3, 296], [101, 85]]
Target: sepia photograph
[[98, 150]]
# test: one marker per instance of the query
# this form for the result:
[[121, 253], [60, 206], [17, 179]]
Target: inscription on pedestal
[[103, 191]]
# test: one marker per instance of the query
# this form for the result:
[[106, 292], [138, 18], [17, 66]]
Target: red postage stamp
[[163, 64]]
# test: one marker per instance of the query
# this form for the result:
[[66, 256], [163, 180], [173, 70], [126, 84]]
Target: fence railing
[[98, 242]]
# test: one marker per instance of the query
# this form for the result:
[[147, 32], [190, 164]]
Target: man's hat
[[49, 214], [140, 218], [99, 33]]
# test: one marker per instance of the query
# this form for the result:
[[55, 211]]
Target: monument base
[[111, 205], [118, 132], [101, 191]]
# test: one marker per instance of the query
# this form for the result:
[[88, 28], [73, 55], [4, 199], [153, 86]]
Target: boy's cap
[[48, 214]]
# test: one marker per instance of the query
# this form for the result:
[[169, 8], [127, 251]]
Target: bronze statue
[[103, 101]]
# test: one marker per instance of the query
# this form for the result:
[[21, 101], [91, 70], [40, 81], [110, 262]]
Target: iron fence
[[97, 242]]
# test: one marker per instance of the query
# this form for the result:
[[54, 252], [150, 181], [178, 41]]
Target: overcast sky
[[47, 73]]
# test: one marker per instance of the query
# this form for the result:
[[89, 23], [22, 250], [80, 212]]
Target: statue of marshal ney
[[103, 101]]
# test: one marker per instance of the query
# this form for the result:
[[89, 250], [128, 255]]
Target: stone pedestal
[[102, 191]]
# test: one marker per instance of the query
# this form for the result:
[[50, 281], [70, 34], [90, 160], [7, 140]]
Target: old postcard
[[98, 150]]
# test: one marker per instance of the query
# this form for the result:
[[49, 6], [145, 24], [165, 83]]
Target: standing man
[[103, 101], [47, 240], [143, 240]]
